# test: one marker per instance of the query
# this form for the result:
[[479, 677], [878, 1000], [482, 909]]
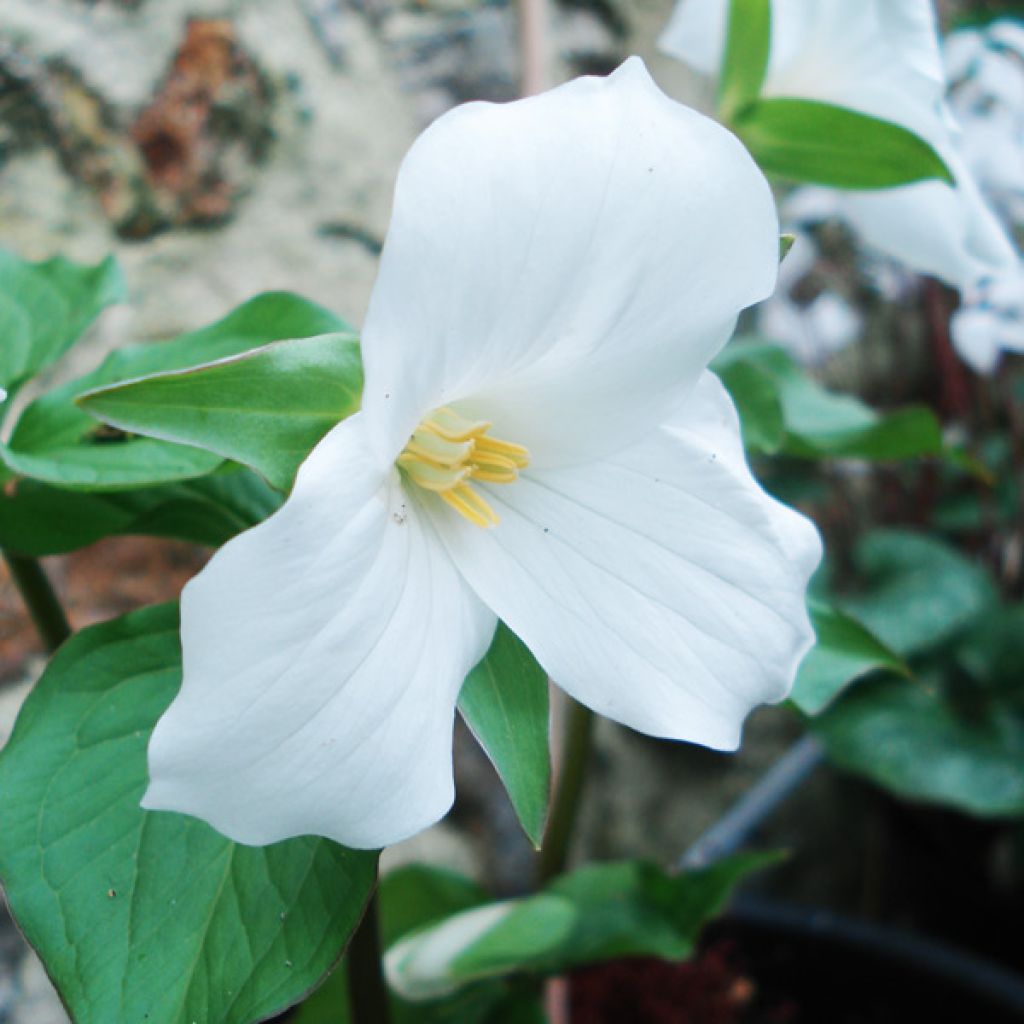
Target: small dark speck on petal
[[547, 529]]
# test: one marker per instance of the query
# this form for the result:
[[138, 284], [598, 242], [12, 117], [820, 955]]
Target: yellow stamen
[[446, 451]]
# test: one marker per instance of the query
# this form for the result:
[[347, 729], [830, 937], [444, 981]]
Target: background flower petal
[[882, 59], [661, 587], [323, 655], [570, 261]]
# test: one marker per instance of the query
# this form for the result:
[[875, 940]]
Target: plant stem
[[367, 993], [569, 779], [533, 17], [42, 602]]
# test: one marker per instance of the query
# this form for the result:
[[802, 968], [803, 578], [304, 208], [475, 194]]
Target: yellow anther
[[468, 503], [446, 451]]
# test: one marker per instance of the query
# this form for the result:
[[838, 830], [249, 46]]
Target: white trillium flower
[[540, 442], [880, 58], [991, 321], [986, 69]]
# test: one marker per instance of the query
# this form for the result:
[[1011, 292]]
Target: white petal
[[323, 655], [881, 58], [974, 331], [569, 261], [661, 587], [932, 228], [696, 32]]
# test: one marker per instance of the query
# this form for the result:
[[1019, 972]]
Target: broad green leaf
[[917, 593], [45, 308], [112, 465], [992, 653], [808, 141], [845, 651], [59, 443], [757, 399], [413, 898], [142, 916], [37, 519], [505, 703], [637, 909], [329, 1004], [266, 408], [914, 741], [418, 895], [745, 61], [600, 912], [819, 423]]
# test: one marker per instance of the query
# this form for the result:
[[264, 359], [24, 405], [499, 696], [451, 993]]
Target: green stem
[[367, 993], [578, 731], [42, 602]]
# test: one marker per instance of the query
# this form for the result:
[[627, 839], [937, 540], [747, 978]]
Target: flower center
[[446, 451]]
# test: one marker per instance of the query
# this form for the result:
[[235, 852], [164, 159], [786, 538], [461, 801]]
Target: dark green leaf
[[912, 740], [37, 520], [415, 896], [598, 913], [757, 399], [819, 423], [745, 62], [142, 916], [807, 141], [505, 702], [112, 466], [46, 307], [266, 408], [917, 592], [845, 651], [57, 442]]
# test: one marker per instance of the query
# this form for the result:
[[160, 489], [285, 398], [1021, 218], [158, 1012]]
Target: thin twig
[[732, 830]]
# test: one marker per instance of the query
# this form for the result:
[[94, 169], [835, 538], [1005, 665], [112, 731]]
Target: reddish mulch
[[708, 990], [99, 582]]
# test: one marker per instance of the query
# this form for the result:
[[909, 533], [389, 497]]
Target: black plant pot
[[844, 971], [767, 963]]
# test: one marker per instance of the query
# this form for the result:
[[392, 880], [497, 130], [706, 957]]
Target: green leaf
[[266, 408], [59, 443], [758, 402], [505, 703], [915, 742], [819, 423], [597, 913], [111, 466], [917, 592], [637, 909], [807, 141], [845, 651], [329, 1004], [142, 916], [46, 307], [745, 62], [416, 897], [37, 519]]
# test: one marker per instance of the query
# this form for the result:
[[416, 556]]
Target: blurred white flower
[[558, 272], [986, 72], [881, 58], [991, 321]]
